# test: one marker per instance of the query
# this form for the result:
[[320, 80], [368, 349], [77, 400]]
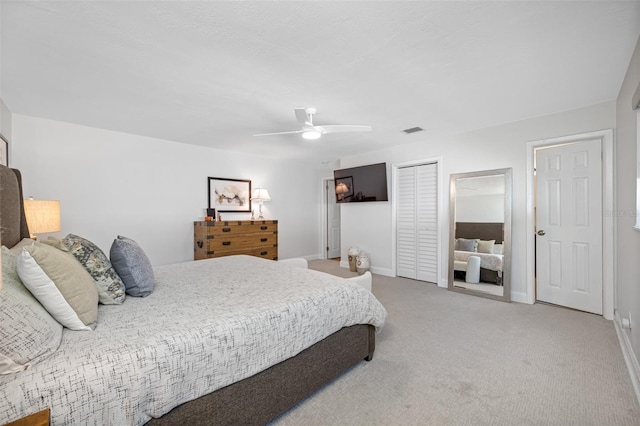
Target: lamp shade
[[342, 188], [42, 215], [260, 194]]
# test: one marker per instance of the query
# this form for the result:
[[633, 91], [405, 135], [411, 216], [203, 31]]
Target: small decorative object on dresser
[[253, 237]]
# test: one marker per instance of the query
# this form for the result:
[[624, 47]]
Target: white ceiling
[[215, 73]]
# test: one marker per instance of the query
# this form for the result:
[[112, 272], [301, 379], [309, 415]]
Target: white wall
[[152, 190], [368, 225], [628, 240]]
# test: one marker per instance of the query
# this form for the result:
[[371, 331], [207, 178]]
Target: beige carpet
[[445, 358]]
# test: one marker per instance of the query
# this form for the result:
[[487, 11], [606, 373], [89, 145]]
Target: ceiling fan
[[310, 131]]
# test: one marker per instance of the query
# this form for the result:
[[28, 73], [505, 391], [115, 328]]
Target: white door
[[333, 222], [569, 225], [417, 222]]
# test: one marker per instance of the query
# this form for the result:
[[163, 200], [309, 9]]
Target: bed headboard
[[13, 223], [481, 230]]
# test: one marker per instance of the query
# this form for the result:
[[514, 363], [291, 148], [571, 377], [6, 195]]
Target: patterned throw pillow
[[27, 331], [133, 266], [111, 290]]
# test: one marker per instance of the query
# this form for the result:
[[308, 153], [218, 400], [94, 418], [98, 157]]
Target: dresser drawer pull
[[263, 253], [226, 229], [264, 228], [199, 243], [262, 240], [226, 243]]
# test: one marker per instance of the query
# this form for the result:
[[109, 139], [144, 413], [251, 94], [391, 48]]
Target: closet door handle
[[541, 232]]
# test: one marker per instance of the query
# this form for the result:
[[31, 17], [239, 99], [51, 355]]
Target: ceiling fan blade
[[279, 133], [343, 128], [301, 116]]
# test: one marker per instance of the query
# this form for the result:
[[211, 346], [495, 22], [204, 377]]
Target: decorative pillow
[[486, 246], [61, 284], [111, 290], [133, 266], [27, 331], [497, 249], [465, 244]]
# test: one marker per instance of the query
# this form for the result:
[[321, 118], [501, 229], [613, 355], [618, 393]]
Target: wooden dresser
[[253, 237]]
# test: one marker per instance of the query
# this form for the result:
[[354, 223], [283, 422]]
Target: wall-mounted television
[[360, 184]]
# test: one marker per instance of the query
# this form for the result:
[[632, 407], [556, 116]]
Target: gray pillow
[[464, 244], [27, 331], [111, 290], [133, 266]]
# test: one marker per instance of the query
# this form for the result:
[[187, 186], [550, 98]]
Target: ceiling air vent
[[413, 130]]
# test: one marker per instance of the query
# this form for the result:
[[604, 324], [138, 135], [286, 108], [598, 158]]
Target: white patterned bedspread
[[487, 260], [207, 324]]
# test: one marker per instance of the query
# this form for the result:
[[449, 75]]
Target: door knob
[[541, 232]]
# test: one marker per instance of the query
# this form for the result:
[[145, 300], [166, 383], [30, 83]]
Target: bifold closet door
[[417, 222]]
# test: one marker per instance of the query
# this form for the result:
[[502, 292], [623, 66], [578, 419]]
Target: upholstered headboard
[[13, 223], [484, 231]]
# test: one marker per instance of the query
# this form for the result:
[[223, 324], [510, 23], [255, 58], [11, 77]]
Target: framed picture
[[229, 195], [4, 151], [344, 188]]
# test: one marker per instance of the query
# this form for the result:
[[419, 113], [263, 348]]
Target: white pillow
[[497, 249], [60, 284]]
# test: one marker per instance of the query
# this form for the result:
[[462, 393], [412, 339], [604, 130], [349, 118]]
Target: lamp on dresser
[[42, 216], [260, 195]]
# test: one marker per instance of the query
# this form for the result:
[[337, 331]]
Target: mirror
[[480, 233]]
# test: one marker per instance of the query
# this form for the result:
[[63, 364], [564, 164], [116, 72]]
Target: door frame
[[394, 204], [324, 219], [608, 220]]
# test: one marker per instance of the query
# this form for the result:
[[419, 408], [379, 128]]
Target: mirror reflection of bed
[[480, 226], [483, 241]]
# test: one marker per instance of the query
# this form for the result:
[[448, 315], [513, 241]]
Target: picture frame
[[4, 151], [342, 195], [229, 195]]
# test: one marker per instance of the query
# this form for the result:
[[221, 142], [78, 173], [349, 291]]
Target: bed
[[235, 340], [490, 254]]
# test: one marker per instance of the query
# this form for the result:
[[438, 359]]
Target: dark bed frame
[[255, 400], [484, 231]]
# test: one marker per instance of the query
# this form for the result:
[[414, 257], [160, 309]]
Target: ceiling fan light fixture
[[311, 135]]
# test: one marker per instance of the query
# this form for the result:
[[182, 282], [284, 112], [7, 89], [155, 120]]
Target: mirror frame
[[506, 261]]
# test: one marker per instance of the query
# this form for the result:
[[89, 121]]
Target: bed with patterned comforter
[[208, 324]]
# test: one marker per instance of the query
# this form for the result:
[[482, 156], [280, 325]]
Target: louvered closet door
[[417, 221], [427, 222], [406, 223]]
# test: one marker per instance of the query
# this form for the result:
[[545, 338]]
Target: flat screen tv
[[360, 184]]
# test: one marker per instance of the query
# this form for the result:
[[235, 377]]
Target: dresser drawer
[[240, 242], [240, 227]]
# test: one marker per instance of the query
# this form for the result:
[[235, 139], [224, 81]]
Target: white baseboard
[[630, 357], [444, 283], [374, 270], [519, 297], [382, 271]]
